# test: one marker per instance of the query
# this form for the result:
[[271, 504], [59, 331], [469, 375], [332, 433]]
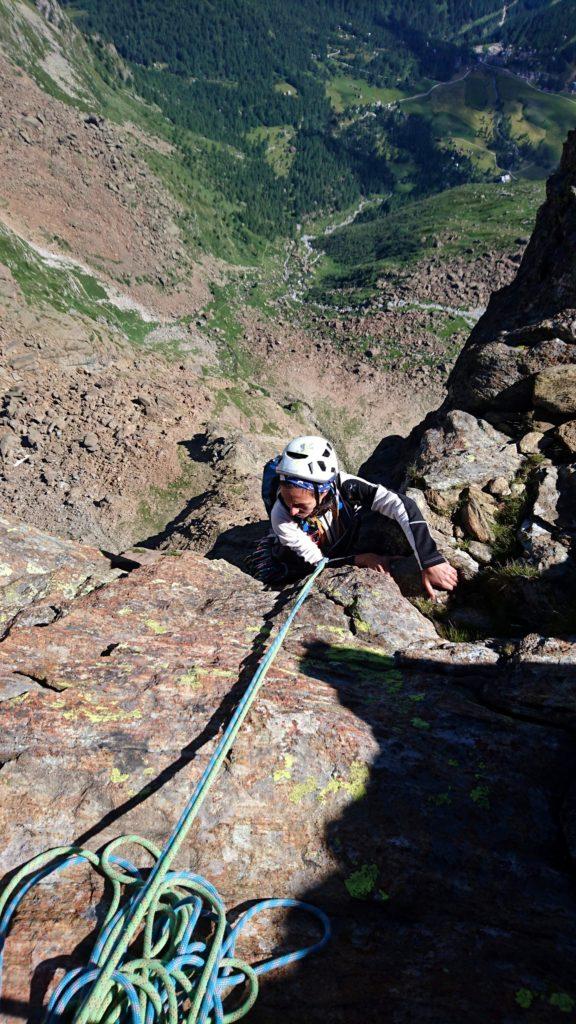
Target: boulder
[[373, 602], [543, 549], [481, 552], [547, 496], [498, 375], [566, 433], [445, 656], [477, 515], [498, 487], [9, 442], [555, 391], [40, 575], [531, 443], [465, 450], [91, 442]]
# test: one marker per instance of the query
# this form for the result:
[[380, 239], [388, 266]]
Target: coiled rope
[[184, 966]]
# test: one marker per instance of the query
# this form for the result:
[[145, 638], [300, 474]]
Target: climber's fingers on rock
[[441, 577]]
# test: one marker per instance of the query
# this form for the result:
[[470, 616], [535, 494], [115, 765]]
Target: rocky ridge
[[419, 791], [494, 468]]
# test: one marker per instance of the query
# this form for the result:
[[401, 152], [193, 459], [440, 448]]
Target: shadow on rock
[[452, 894], [236, 544], [160, 539]]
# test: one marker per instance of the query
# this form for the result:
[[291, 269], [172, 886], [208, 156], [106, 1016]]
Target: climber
[[315, 512]]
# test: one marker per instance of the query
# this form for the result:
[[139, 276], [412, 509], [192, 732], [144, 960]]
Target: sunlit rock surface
[[422, 809]]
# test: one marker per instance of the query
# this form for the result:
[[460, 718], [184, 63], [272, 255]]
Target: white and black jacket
[[356, 495]]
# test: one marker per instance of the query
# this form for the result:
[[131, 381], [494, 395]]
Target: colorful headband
[[306, 485]]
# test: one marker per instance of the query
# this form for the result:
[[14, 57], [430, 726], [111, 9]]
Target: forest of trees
[[220, 69], [231, 38], [549, 30]]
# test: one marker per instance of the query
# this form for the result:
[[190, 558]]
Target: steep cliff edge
[[419, 791], [494, 468], [530, 325]]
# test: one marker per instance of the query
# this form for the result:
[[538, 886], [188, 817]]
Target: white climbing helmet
[[309, 458]]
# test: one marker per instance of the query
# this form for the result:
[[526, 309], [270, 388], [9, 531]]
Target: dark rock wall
[[531, 323]]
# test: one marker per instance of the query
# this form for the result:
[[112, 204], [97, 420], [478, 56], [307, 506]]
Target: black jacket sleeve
[[396, 506]]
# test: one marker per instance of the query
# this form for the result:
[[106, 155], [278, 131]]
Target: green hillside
[[462, 222], [498, 120], [280, 115], [261, 82]]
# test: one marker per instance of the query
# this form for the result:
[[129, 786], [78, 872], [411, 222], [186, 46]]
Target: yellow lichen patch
[[190, 678], [124, 611], [360, 884], [102, 713], [5, 570], [331, 788], [285, 773], [34, 569], [59, 684], [155, 626], [355, 785], [216, 673], [301, 790], [112, 716], [358, 779], [338, 631], [19, 699], [118, 777]]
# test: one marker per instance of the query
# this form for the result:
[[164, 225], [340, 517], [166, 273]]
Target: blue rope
[[185, 966]]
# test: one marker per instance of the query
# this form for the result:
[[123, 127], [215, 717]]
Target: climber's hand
[[441, 577], [368, 560]]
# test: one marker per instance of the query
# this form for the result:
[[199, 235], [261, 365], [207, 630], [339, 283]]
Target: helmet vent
[[326, 453], [297, 455], [322, 465]]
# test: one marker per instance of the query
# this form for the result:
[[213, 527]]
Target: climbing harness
[[179, 972]]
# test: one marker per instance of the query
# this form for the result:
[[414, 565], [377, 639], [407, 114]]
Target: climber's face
[[299, 502]]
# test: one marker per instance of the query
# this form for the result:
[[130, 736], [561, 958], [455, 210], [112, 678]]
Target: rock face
[[495, 463], [555, 391], [463, 451], [409, 800], [530, 325], [41, 575]]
